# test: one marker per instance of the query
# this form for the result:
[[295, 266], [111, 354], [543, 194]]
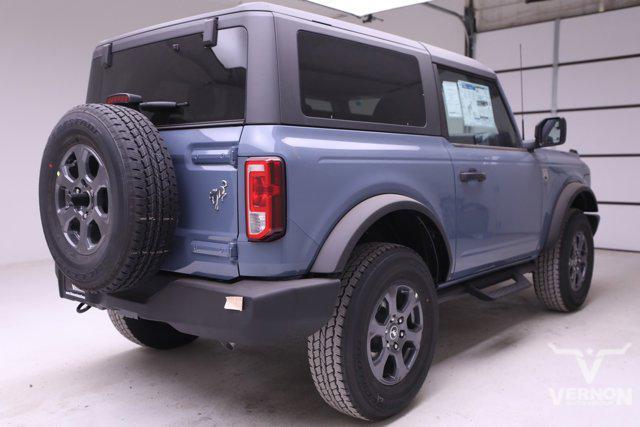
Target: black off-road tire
[[142, 197], [149, 333], [338, 353], [551, 277]]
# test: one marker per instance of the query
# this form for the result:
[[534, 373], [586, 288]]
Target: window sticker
[[451, 99], [476, 105]]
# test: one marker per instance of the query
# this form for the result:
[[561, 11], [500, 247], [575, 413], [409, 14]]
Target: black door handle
[[472, 175]]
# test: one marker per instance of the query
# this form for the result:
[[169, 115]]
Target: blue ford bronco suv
[[261, 173]]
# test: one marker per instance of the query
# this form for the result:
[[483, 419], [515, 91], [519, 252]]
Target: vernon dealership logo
[[590, 363]]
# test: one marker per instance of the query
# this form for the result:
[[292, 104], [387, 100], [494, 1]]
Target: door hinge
[[107, 55], [210, 32]]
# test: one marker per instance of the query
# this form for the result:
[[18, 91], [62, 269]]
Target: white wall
[[604, 136], [44, 65]]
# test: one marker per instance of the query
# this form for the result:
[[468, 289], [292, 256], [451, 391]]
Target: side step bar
[[483, 287], [520, 283]]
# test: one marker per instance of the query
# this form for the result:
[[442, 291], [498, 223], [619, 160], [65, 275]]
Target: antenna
[[521, 94]]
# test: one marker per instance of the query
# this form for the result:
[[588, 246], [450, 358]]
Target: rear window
[[347, 80], [212, 80]]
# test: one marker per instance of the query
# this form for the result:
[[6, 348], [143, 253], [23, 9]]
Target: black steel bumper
[[267, 311]]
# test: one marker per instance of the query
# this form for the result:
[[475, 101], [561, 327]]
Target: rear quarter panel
[[329, 171]]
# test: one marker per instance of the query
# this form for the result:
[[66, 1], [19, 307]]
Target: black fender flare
[[565, 200], [337, 248]]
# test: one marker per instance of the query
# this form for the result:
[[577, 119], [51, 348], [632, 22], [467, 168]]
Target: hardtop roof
[[437, 54]]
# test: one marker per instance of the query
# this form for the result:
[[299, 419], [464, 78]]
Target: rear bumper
[[270, 311]]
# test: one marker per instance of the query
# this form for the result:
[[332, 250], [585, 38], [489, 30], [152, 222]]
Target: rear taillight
[[123, 99], [266, 211]]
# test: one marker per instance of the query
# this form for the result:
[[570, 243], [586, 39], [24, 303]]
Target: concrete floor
[[493, 366]]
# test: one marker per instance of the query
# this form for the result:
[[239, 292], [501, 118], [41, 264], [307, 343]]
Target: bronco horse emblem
[[217, 195]]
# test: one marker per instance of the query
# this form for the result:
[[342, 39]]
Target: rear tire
[[349, 361], [563, 273], [149, 333]]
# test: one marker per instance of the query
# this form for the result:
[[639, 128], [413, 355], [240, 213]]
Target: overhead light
[[362, 8]]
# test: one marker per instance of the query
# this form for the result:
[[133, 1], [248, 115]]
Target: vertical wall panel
[[536, 85], [615, 131], [536, 40], [615, 179], [618, 228], [600, 35], [599, 84]]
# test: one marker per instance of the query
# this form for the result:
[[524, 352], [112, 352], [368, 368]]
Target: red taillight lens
[[265, 214], [118, 99], [123, 98]]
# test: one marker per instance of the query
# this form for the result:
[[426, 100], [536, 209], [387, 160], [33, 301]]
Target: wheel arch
[[377, 219], [577, 196]]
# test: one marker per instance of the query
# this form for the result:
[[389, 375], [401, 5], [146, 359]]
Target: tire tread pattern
[[323, 347], [121, 326], [149, 333], [546, 277], [153, 192]]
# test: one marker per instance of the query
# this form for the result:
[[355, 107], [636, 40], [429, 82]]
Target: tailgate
[[205, 162], [206, 83]]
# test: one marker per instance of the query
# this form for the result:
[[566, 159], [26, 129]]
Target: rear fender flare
[[337, 248]]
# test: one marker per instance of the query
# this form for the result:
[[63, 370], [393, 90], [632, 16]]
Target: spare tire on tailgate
[[108, 197]]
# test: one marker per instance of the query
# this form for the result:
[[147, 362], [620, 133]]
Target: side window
[[475, 111], [347, 80]]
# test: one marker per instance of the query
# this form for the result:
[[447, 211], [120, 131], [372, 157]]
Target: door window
[[475, 111]]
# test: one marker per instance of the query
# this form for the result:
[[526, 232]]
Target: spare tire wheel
[[108, 197]]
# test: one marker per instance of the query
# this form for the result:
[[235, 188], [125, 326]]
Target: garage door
[[586, 69]]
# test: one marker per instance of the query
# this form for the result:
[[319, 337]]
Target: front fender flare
[[337, 248], [566, 198]]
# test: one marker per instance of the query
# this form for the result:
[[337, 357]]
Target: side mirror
[[550, 132]]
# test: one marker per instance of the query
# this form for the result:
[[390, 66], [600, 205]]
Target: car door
[[498, 183]]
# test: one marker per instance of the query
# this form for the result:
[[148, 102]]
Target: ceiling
[[496, 14]]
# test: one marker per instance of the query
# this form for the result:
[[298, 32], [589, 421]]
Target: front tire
[[149, 333], [563, 273], [365, 362]]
